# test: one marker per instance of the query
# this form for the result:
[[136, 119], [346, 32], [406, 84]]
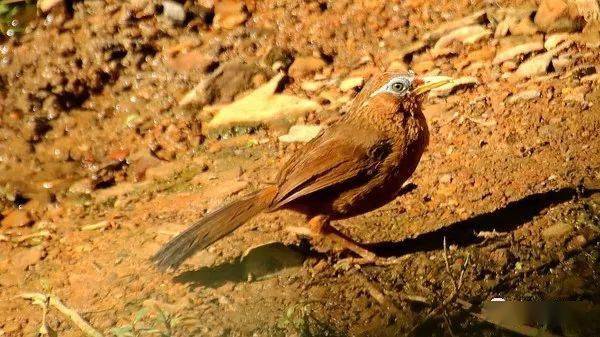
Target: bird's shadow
[[464, 233], [258, 263], [273, 258]]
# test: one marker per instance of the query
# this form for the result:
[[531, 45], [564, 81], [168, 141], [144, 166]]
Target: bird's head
[[396, 93]]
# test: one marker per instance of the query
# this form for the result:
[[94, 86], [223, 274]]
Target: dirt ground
[[101, 163]]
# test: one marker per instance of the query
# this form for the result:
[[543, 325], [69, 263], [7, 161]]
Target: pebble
[[28, 257], [556, 230], [467, 35], [524, 27], [415, 47], [553, 16], [311, 86], [301, 133], [263, 106], [305, 66], [553, 40], [577, 98], [17, 218], [475, 18], [509, 66], [398, 66], [526, 95], [595, 78], [512, 52], [174, 11], [535, 66], [577, 243], [229, 14], [561, 63], [445, 178], [47, 5], [501, 257], [351, 83], [423, 66], [581, 71], [504, 26]]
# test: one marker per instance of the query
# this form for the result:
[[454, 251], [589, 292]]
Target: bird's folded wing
[[331, 159]]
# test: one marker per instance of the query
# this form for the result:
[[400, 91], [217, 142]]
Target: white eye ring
[[398, 87]]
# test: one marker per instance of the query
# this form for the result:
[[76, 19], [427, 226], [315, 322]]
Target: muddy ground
[[101, 163]]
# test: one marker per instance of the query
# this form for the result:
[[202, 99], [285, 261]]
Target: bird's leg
[[319, 226]]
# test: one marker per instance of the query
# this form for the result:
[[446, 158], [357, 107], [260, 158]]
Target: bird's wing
[[335, 157]]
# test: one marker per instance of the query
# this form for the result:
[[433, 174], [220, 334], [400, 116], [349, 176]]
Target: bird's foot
[[335, 236]]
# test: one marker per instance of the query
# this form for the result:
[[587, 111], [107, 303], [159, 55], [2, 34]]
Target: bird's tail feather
[[212, 227]]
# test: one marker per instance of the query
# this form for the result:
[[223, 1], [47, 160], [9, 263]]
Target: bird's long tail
[[212, 227]]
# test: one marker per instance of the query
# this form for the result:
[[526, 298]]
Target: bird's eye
[[398, 87]]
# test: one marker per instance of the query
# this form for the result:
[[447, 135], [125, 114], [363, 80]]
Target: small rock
[[398, 66], [306, 66], [553, 16], [501, 257], [351, 83], [47, 5], [17, 218], [28, 257], [475, 18], [174, 11], [191, 60], [466, 35], [504, 26], [553, 40], [82, 186], [522, 49], [539, 64], [526, 95], [423, 66], [261, 106], [576, 98], [558, 229], [301, 133], [229, 14], [595, 78], [311, 86], [407, 52], [535, 66], [524, 27], [486, 53], [577, 242], [164, 170], [445, 178], [509, 66], [582, 71], [561, 63]]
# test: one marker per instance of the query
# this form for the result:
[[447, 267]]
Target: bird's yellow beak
[[430, 84]]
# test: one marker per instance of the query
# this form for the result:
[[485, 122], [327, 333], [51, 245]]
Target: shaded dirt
[[91, 133]]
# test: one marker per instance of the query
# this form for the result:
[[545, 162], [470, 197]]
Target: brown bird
[[356, 165]]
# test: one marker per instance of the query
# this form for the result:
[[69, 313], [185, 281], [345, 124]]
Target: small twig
[[453, 295], [448, 265], [51, 300], [448, 324], [99, 225], [378, 295], [415, 298], [42, 233]]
